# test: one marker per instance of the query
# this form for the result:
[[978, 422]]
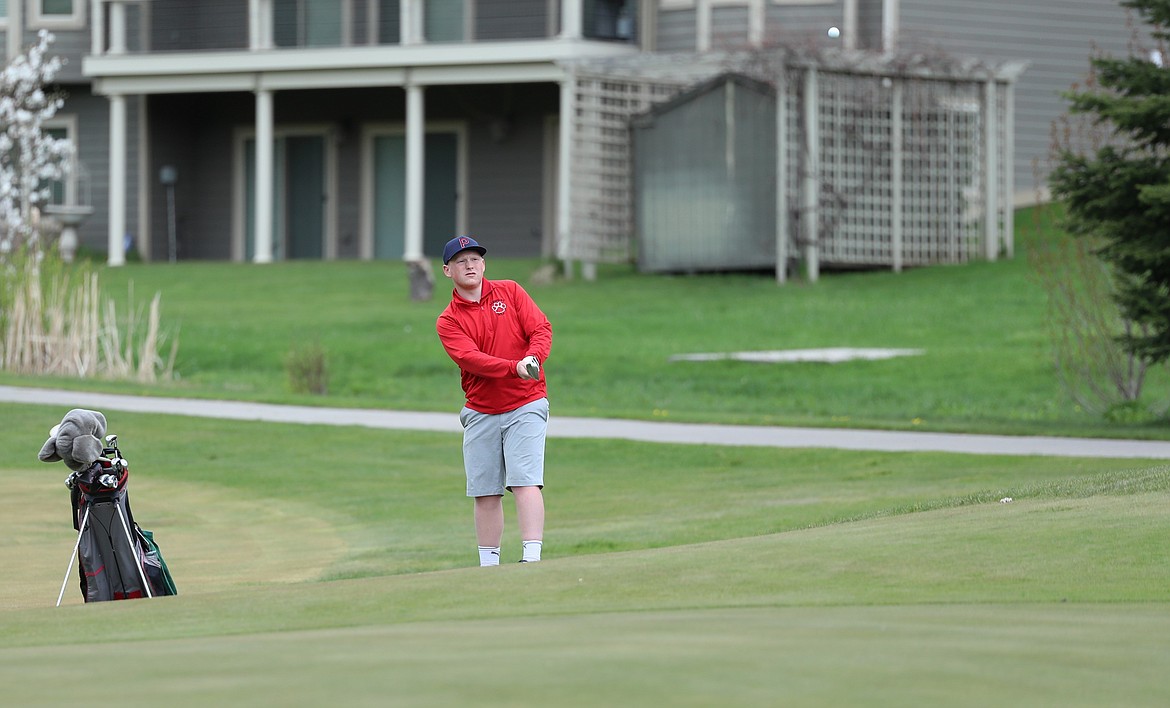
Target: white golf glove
[[528, 368]]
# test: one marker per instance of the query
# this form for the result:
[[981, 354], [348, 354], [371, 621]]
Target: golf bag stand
[[117, 560]]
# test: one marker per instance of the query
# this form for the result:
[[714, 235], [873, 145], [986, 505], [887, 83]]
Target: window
[[609, 19], [55, 14], [311, 23], [443, 20], [687, 4], [68, 191]]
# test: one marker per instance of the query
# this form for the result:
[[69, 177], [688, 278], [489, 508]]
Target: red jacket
[[488, 338]]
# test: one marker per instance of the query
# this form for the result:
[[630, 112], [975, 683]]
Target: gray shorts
[[504, 450]]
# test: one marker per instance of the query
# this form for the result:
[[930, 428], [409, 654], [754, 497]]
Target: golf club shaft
[[73, 556], [138, 562]]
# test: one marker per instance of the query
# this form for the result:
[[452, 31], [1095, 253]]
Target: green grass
[[320, 565], [987, 365]]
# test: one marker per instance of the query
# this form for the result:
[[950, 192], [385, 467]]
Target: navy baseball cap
[[461, 243]]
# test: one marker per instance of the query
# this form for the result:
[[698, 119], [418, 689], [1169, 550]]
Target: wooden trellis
[[604, 98], [878, 164]]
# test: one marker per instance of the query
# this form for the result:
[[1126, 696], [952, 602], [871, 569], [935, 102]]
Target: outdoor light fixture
[[168, 175]]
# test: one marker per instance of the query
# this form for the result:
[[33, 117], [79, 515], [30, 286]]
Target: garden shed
[[806, 159], [703, 198]]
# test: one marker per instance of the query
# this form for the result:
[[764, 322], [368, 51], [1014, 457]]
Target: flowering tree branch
[[30, 158]]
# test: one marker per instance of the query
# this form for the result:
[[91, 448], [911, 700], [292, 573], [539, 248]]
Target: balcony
[[245, 45], [162, 26]]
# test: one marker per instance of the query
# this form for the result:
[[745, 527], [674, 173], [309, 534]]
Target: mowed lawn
[[986, 362], [320, 565]]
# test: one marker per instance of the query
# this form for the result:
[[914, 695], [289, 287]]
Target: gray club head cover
[[77, 440]]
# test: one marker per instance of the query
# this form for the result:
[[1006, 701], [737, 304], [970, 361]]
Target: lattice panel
[[942, 163], [854, 203], [601, 180], [941, 172], [943, 184]]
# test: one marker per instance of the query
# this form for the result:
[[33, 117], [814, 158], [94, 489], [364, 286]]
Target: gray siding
[[194, 133], [349, 183], [803, 25], [794, 25], [1055, 36], [186, 25], [511, 19], [869, 26], [70, 45], [93, 126], [729, 27], [505, 175], [676, 30], [207, 206]]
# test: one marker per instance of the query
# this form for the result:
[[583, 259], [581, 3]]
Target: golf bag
[[117, 560]]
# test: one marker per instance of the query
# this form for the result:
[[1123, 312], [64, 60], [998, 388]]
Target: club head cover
[[77, 440]]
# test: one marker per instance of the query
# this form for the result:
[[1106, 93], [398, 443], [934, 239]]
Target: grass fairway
[[953, 655], [329, 565], [323, 565]]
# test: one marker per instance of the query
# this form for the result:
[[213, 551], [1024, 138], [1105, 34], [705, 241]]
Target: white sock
[[489, 555], [532, 551]]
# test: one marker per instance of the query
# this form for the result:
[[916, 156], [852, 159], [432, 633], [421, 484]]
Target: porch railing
[[240, 25]]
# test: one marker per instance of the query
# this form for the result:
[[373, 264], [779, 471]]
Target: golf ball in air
[[834, 32]]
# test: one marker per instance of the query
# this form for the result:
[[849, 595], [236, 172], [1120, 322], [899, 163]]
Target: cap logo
[[463, 241]]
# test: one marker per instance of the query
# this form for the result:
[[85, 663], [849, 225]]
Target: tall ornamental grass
[[54, 321]]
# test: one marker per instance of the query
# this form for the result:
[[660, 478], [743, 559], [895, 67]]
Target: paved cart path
[[566, 427]]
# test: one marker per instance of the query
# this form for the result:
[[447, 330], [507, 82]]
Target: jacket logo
[[499, 306]]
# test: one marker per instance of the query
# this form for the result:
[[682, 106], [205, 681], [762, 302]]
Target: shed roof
[[648, 117]]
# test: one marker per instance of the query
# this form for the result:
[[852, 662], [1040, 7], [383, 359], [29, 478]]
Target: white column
[[117, 28], [97, 23], [15, 29], [1009, 172], [890, 26], [568, 124], [896, 173], [260, 19], [415, 172], [849, 25], [571, 17], [264, 177], [810, 211], [782, 176], [142, 168], [990, 171], [703, 25], [253, 24], [410, 22], [757, 22], [117, 224]]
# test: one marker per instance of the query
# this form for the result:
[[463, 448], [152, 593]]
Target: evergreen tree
[[1120, 191]]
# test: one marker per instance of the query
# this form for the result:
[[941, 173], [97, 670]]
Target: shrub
[[308, 369]]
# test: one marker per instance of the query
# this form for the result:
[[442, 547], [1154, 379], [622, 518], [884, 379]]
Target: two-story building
[[260, 130]]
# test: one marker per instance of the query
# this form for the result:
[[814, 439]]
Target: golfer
[[499, 338]]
